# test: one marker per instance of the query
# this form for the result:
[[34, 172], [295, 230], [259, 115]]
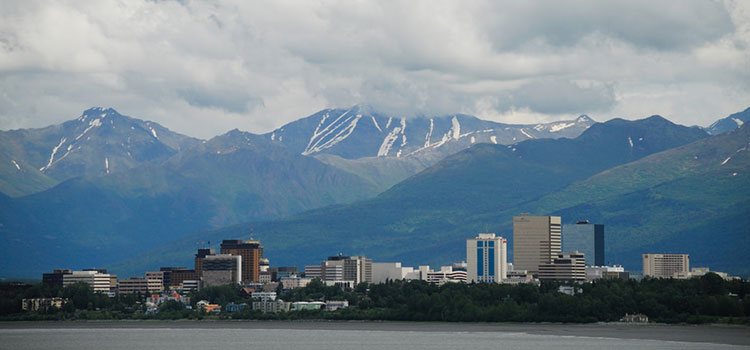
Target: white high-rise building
[[486, 258], [99, 282]]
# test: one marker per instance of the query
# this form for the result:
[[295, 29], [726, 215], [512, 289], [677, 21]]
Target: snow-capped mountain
[[360, 132], [99, 142], [729, 123]]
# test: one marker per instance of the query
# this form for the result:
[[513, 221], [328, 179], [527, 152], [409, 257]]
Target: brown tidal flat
[[717, 334]]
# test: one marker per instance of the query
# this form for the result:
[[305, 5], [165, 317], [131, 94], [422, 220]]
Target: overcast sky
[[202, 68]]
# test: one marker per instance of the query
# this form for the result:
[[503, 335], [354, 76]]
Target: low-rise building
[[393, 271], [566, 266], [333, 305], [606, 272], [232, 307], [447, 274], [277, 305], [207, 307], [295, 282], [264, 296], [133, 285], [41, 304], [308, 305]]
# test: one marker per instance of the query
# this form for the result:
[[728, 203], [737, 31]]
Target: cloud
[[202, 68]]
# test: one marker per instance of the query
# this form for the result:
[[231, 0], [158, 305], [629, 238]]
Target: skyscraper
[[536, 241], [586, 238], [251, 253], [486, 258]]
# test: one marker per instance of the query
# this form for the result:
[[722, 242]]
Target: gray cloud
[[203, 68]]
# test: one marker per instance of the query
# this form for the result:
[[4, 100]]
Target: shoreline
[[713, 334]]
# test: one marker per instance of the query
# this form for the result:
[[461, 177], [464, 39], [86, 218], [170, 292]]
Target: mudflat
[[717, 334]]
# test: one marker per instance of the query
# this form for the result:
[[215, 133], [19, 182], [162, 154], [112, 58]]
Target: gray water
[[165, 338]]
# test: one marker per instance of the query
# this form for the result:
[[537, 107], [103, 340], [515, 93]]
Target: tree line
[[704, 299]]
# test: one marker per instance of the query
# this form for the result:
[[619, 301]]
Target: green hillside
[[426, 219]]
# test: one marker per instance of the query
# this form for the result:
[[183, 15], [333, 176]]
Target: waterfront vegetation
[[707, 299]]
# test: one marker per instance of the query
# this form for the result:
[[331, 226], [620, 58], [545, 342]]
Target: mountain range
[[104, 188]]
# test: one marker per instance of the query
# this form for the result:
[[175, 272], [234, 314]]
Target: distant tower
[[486, 258], [536, 241], [586, 238]]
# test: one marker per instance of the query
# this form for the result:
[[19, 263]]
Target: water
[[217, 337]]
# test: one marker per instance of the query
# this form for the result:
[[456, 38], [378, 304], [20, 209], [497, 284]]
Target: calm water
[[233, 338]]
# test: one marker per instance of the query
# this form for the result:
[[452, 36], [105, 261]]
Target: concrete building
[[566, 266], [251, 253], [606, 272], [391, 271], [586, 238], [222, 269], [447, 274], [155, 280], [277, 305], [536, 241], [357, 269], [199, 256], [294, 282], [133, 285], [486, 258], [665, 265], [99, 282]]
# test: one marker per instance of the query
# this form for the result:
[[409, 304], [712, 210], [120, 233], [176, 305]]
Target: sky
[[205, 67]]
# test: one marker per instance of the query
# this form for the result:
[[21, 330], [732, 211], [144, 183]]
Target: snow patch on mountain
[[403, 129], [630, 141], [106, 164], [561, 126], [16, 164], [347, 126], [455, 128], [54, 151], [92, 124], [429, 133], [376, 124], [526, 133], [388, 142], [493, 138], [738, 122]]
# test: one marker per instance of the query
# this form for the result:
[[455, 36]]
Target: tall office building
[[486, 258], [665, 265], [586, 238], [251, 253], [536, 241]]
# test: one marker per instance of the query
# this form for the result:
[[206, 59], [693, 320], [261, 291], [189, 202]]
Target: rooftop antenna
[[252, 233]]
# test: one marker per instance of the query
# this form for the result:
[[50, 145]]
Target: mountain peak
[[583, 118]]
